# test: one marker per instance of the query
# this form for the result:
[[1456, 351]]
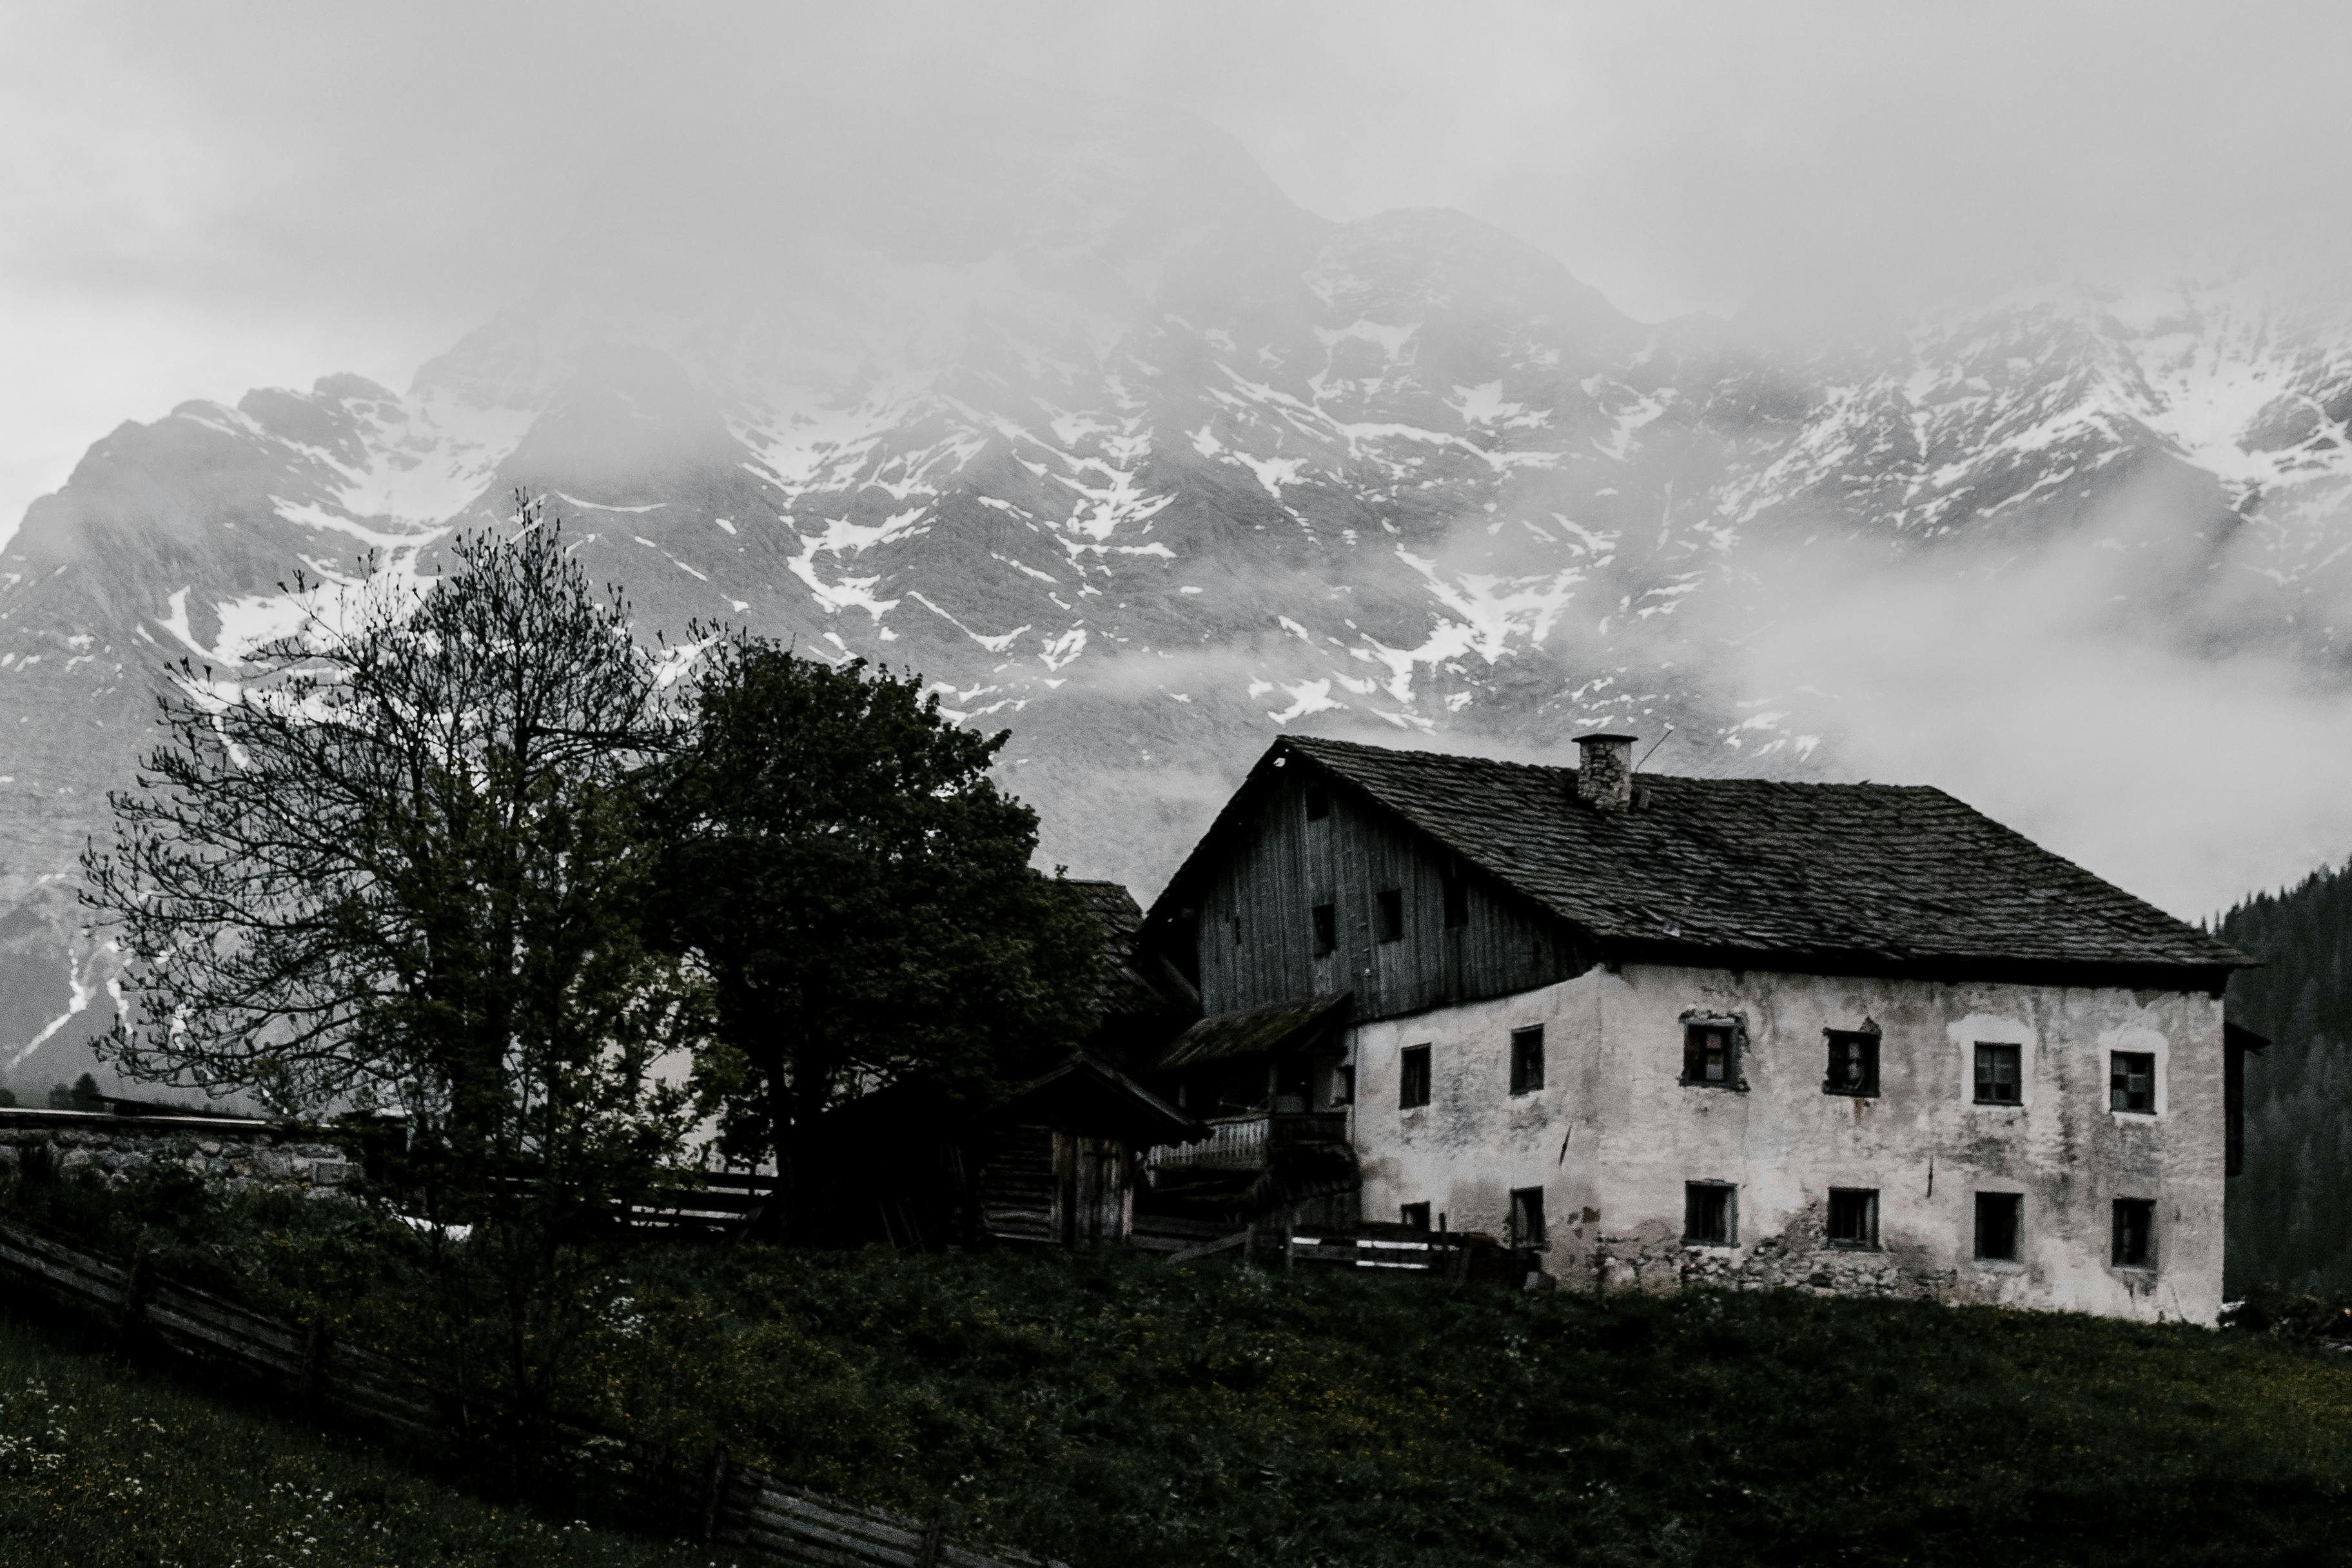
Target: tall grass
[[104, 1465]]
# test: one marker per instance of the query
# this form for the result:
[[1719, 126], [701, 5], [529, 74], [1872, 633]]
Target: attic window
[[1853, 1063], [1711, 1051], [1391, 914], [1458, 901], [1998, 1076], [1318, 803], [2131, 1082], [1327, 929]]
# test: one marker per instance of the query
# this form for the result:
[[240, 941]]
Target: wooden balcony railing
[[1247, 1142]]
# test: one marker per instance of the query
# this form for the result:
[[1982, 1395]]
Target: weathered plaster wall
[[1614, 1135], [113, 1148]]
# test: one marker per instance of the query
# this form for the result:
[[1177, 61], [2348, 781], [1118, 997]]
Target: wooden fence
[[715, 1501]]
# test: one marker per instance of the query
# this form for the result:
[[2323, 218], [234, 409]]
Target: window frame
[[1838, 1039], [1526, 1228], [2119, 1083], [2125, 1210], [1728, 1211], [1416, 1070], [1324, 920], [1735, 1074], [2014, 1203], [1390, 904], [1977, 1081], [1867, 1241], [1522, 1081]]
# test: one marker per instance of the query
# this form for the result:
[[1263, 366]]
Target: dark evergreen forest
[[2287, 1215]]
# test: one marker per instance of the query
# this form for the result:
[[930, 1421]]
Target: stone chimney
[[1604, 772]]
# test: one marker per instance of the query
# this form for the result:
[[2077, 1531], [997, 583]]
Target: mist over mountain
[[1126, 452]]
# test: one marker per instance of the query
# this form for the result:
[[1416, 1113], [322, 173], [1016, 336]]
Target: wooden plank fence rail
[[718, 1500]]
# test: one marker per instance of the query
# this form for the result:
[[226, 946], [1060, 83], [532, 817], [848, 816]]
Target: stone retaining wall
[[236, 1153]]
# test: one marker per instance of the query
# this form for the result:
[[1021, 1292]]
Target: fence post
[[714, 1493], [135, 1291], [316, 1342], [935, 1541]]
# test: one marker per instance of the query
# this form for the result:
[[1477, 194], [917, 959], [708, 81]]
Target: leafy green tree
[[860, 891], [401, 862]]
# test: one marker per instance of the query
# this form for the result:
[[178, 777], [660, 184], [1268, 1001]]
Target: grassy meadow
[[1115, 1410]]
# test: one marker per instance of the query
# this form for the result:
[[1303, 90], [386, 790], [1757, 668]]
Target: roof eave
[[1949, 969]]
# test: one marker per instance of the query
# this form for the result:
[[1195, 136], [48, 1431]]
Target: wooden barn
[[1058, 1162]]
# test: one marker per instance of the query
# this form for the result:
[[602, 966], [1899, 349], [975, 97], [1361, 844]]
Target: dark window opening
[[1412, 1081], [1327, 929], [1294, 1084], [2135, 1230], [1710, 1216], [1237, 931], [1998, 1075], [1458, 901], [1527, 1217], [1391, 914], [1853, 1063], [1527, 1061], [1854, 1218], [1343, 1085], [1243, 1085], [1415, 1216], [1318, 803], [2000, 1218], [2131, 1082], [1710, 1054]]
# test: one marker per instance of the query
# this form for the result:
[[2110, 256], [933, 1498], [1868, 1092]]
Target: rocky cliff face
[[1131, 456]]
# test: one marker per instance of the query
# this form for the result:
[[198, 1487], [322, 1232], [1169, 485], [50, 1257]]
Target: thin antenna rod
[[1654, 748]]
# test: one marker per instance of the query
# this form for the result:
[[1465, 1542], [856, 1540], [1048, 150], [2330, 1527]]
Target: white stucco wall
[[1614, 1135]]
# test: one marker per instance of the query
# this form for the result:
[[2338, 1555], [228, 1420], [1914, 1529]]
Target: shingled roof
[[1816, 878]]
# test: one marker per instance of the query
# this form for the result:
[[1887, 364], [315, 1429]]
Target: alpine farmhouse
[[1661, 1031]]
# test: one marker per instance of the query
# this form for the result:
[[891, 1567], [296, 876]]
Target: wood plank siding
[[1256, 935]]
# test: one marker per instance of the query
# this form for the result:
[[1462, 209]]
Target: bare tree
[[401, 865]]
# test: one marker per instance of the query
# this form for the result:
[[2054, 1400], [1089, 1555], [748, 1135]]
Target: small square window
[[1710, 1214], [1853, 1063], [1711, 1054], [1415, 1216], [2135, 1233], [2131, 1081], [1413, 1080], [2000, 1222], [1318, 803], [1327, 929], [1854, 1218], [1391, 914], [1999, 1075], [1458, 901], [1527, 1217], [1527, 1061]]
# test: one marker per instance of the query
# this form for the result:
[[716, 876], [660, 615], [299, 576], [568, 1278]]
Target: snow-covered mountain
[[1126, 453]]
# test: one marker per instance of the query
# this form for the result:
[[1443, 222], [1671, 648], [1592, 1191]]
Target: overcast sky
[[203, 198]]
